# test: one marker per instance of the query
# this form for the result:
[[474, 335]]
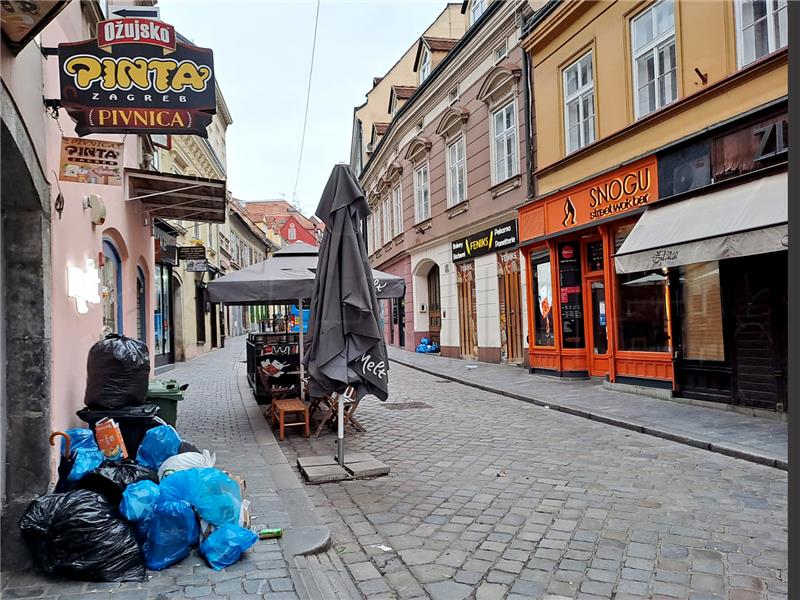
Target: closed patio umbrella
[[347, 347]]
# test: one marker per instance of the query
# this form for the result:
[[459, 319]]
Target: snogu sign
[[136, 77]]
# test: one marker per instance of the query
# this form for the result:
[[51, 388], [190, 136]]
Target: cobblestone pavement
[[214, 415], [490, 497], [761, 439]]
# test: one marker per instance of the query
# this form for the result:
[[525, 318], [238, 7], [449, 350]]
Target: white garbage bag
[[186, 460]]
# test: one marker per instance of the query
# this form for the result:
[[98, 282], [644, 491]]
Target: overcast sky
[[262, 53]]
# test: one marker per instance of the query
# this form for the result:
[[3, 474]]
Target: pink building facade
[[398, 312]]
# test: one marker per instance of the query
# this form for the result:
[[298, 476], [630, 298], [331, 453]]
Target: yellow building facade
[[659, 127]]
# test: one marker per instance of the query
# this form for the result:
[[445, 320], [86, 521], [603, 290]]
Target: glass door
[[598, 330]]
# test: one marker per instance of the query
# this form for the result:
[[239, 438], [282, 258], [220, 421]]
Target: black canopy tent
[[287, 278]]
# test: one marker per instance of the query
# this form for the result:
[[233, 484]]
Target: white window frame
[[424, 64], [452, 171], [476, 4], [505, 134], [584, 89], [652, 47], [501, 52], [773, 8], [452, 97], [422, 193], [397, 209], [387, 220], [376, 222]]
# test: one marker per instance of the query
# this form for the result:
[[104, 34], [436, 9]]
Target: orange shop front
[[585, 320]]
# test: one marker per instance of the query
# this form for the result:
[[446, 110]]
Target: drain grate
[[406, 405]]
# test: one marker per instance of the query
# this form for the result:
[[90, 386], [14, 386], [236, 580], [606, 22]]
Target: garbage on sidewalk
[[131, 494], [426, 346], [80, 535]]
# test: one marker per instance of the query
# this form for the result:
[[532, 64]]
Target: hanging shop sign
[[500, 237], [194, 253], [197, 266], [22, 21], [90, 161], [621, 191], [135, 77], [759, 143]]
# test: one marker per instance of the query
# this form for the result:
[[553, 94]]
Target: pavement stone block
[[491, 591], [448, 590], [363, 570]]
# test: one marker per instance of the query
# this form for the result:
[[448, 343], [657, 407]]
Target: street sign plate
[[197, 266], [191, 253], [141, 12]]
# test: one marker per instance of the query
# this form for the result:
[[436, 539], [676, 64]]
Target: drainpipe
[[526, 83]]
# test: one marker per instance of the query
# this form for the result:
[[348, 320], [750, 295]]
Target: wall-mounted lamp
[[84, 285]]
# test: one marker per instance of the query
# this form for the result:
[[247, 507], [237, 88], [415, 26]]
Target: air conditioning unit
[[691, 174]]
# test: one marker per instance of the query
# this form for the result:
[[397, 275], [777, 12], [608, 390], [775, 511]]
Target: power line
[[308, 98]]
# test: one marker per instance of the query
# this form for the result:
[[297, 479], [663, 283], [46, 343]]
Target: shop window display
[[642, 306], [570, 286], [543, 299]]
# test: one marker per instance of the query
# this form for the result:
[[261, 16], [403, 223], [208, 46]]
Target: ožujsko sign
[[137, 78], [499, 237]]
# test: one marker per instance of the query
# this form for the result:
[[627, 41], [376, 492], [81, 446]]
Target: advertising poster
[[90, 161]]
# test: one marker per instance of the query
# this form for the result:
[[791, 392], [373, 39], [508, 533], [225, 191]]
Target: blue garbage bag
[[87, 455], [139, 501], [425, 341], [226, 545], [215, 496], [171, 531], [158, 445], [138, 506]]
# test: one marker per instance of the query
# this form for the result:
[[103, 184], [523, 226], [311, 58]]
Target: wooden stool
[[291, 406]]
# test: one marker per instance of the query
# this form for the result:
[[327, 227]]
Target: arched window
[[111, 279], [141, 306], [292, 232]]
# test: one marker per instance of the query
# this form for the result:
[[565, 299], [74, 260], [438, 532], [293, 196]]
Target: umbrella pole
[[302, 355], [340, 432]]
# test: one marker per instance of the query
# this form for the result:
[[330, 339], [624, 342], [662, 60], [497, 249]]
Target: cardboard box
[[109, 439]]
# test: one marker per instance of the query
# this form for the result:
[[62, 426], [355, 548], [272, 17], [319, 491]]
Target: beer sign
[[90, 161], [135, 77]]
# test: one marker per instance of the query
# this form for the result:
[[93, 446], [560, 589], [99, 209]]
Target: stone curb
[[308, 535], [770, 461]]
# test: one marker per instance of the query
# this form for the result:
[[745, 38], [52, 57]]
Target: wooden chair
[[292, 406], [331, 403]]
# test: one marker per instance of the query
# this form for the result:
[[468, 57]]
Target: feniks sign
[[499, 237], [136, 77]]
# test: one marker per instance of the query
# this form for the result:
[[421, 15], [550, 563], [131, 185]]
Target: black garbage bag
[[79, 535], [118, 369], [112, 477]]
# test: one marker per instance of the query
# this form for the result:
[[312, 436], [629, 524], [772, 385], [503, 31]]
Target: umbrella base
[[324, 469]]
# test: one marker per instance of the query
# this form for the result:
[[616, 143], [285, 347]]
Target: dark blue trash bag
[[171, 532], [226, 544], [159, 444]]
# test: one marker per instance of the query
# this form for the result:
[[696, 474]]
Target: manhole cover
[[406, 405]]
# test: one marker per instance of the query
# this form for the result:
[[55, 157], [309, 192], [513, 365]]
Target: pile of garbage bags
[[426, 346], [110, 520]]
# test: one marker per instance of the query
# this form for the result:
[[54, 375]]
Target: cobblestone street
[[490, 497]]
